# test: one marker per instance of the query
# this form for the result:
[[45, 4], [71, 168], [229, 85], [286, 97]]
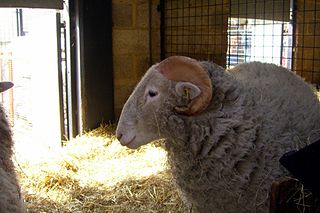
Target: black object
[[304, 164]]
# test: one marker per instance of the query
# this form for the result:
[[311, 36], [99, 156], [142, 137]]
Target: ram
[[10, 195], [224, 130]]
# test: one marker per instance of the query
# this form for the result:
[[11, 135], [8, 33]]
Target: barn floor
[[94, 173]]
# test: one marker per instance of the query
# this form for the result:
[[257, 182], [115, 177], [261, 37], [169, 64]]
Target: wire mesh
[[229, 32], [196, 28], [307, 40]]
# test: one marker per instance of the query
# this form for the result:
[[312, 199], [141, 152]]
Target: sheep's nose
[[119, 136]]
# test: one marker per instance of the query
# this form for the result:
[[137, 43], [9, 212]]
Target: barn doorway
[[34, 57]]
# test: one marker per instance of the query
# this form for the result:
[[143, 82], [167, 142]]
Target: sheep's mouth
[[129, 143]]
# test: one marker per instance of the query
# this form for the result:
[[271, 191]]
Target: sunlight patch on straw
[[94, 173]]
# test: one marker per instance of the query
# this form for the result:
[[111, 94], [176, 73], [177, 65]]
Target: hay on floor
[[94, 173]]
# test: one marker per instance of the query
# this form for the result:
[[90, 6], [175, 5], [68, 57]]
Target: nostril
[[119, 136]]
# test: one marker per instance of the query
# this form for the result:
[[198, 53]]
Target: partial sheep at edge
[[10, 194]]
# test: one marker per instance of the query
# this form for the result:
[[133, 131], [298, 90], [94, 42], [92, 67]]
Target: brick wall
[[307, 47], [131, 44]]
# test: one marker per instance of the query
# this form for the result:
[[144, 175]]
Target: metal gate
[[228, 32]]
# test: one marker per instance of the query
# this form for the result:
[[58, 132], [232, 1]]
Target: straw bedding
[[93, 173]]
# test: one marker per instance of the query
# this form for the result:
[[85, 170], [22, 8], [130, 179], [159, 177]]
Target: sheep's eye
[[152, 93]]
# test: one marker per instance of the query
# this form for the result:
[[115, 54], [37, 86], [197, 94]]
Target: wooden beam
[[48, 4]]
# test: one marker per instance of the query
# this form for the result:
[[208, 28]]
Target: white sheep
[[10, 195], [224, 130]]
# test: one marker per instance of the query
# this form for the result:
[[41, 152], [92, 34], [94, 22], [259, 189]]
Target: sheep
[[224, 130], [10, 195]]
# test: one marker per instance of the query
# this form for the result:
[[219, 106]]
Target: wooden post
[[10, 66]]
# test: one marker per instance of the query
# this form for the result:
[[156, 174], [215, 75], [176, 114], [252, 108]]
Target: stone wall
[[307, 40], [135, 47]]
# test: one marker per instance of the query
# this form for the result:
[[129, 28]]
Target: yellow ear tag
[[186, 93]]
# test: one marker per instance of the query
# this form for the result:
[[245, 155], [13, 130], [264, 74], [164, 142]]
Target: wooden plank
[[11, 103], [48, 4]]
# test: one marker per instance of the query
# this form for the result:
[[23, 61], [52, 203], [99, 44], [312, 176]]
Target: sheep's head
[[177, 85], [5, 85]]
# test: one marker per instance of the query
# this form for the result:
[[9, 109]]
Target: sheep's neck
[[220, 139]]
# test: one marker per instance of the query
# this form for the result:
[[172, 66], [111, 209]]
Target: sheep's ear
[[5, 85], [187, 90]]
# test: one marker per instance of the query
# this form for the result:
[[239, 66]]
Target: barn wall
[[307, 40], [135, 48]]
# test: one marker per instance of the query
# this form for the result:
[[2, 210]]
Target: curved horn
[[181, 68]]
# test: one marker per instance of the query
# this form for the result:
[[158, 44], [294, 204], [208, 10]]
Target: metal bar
[[264, 29], [247, 46], [272, 56], [78, 66], [60, 79], [254, 35], [303, 38], [314, 43], [162, 29], [182, 26], [293, 24], [73, 45], [189, 25], [238, 30], [229, 37], [67, 86], [210, 57], [18, 22], [281, 46], [22, 33], [19, 18]]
